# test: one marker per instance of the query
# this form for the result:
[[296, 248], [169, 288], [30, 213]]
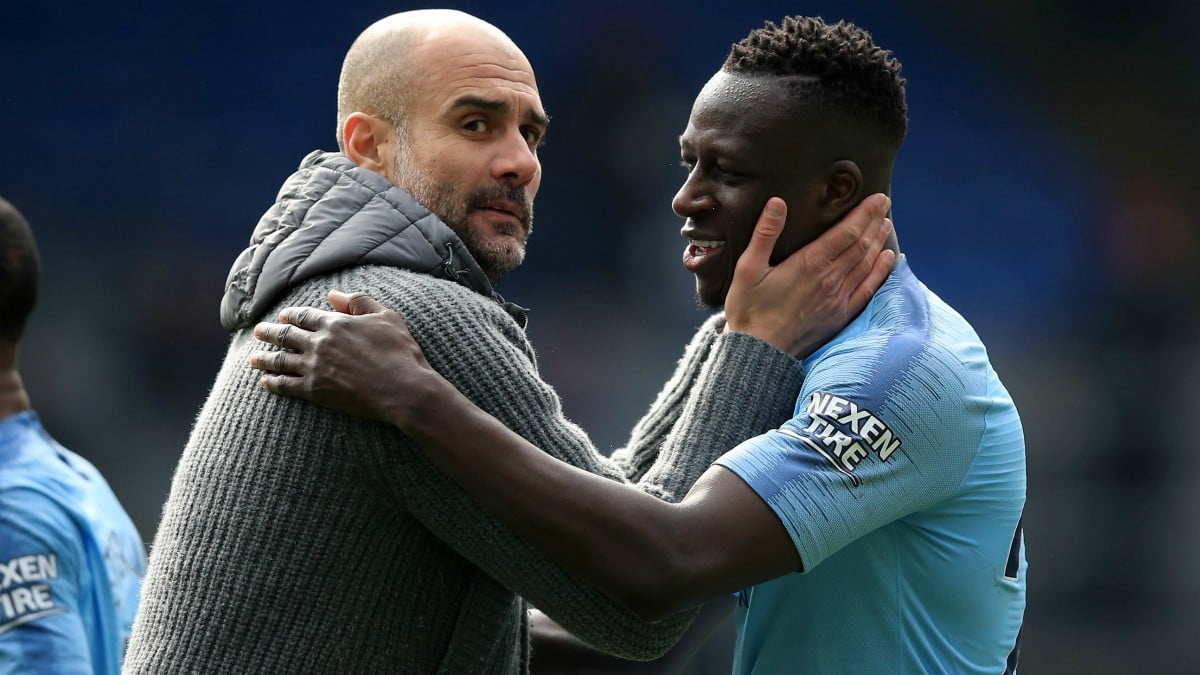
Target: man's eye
[[687, 164], [533, 136], [476, 126], [726, 172]]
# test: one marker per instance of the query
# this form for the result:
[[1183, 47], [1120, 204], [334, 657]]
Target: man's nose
[[515, 161], [692, 199]]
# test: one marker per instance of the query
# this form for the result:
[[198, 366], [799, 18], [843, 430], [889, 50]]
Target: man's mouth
[[703, 247], [510, 210], [501, 207], [699, 251]]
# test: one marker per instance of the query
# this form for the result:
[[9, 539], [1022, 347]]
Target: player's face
[[470, 151], [743, 144]]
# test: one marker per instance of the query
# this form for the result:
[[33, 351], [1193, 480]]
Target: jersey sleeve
[[41, 612], [875, 437]]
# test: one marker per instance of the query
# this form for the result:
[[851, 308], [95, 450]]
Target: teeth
[[705, 244]]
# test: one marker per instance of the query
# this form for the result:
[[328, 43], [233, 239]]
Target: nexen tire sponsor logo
[[22, 599], [844, 433]]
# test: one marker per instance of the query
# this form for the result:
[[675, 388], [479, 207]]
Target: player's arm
[[555, 651], [470, 349], [651, 556], [40, 624], [462, 424]]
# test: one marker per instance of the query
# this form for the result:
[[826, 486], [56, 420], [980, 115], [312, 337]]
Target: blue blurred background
[[1042, 191]]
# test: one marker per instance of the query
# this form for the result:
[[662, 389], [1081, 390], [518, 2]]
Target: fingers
[[757, 255], [284, 363], [285, 335], [308, 318], [879, 227], [355, 303], [862, 294], [859, 260], [863, 221], [282, 384]]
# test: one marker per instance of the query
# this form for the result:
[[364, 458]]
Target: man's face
[[743, 145], [469, 153]]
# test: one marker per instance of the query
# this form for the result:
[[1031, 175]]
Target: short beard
[[449, 201], [701, 303]]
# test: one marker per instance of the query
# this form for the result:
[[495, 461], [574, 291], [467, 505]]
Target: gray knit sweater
[[296, 539]]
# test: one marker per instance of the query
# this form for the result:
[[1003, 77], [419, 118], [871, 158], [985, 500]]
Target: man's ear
[[843, 187], [368, 142]]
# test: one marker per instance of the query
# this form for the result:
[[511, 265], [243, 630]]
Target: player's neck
[[13, 398]]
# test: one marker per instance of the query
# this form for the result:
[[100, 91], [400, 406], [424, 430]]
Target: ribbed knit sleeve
[[479, 349], [745, 388], [641, 451]]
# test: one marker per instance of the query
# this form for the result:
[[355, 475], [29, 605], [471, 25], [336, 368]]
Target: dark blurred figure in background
[[71, 561]]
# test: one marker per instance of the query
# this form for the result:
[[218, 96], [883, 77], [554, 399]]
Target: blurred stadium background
[[1043, 191]]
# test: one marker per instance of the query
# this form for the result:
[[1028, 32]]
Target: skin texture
[[13, 398], [18, 254], [472, 121], [822, 286], [557, 651], [736, 161]]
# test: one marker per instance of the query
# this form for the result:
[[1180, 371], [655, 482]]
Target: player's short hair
[[18, 272], [856, 77]]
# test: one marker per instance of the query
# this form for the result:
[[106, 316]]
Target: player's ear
[[368, 142], [843, 188]]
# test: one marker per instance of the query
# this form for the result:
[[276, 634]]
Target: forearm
[[632, 546], [493, 370], [598, 529], [555, 651], [473, 531]]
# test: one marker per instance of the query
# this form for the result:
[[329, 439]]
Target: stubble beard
[[450, 201], [703, 301]]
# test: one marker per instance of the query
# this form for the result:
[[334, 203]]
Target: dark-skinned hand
[[339, 358], [359, 359]]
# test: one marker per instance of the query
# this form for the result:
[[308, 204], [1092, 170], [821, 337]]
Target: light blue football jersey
[[901, 480], [71, 560]]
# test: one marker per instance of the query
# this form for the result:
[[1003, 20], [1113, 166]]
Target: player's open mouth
[[699, 251]]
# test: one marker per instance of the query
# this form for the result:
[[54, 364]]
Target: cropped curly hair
[[855, 76], [18, 272]]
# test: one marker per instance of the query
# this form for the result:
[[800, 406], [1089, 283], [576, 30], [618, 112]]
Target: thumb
[[766, 232], [354, 303]]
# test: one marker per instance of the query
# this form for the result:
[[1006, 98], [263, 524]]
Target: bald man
[[297, 539]]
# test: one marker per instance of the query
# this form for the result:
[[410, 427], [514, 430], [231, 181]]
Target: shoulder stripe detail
[[4, 628]]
